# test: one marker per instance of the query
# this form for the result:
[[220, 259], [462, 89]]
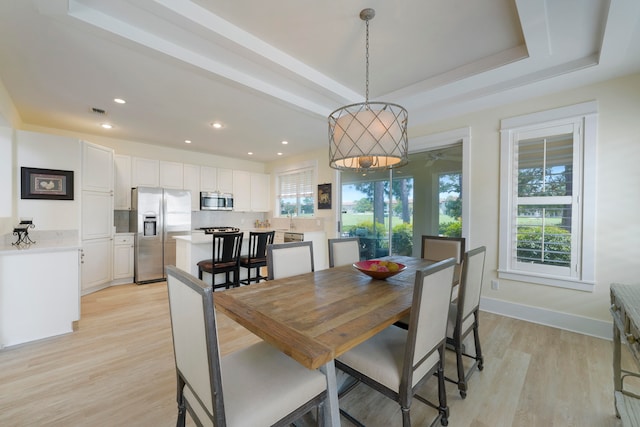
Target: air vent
[[98, 111]]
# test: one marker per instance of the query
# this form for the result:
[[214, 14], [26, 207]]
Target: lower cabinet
[[96, 264], [122, 259]]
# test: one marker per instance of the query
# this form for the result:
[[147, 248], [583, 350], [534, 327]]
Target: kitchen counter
[[46, 241], [40, 287]]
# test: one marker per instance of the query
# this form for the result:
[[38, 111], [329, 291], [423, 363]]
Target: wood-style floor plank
[[118, 369]]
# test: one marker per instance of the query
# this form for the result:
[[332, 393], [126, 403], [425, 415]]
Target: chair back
[[195, 345], [344, 251], [438, 248], [427, 331], [258, 241], [471, 283], [226, 248], [289, 259]]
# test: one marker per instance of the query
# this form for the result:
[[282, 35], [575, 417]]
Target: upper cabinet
[[241, 191], [192, 183], [97, 168], [122, 189], [171, 175], [260, 185], [145, 172], [216, 179]]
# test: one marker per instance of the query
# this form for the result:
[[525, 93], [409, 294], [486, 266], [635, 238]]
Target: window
[[296, 192], [547, 202]]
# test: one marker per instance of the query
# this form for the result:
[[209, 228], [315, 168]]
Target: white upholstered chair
[[289, 259], [344, 251], [437, 248], [463, 316], [255, 386], [396, 362]]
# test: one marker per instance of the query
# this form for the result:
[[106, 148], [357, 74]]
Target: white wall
[[36, 150], [618, 198]]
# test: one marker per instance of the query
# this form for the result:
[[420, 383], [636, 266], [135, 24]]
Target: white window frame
[[304, 166], [581, 119]]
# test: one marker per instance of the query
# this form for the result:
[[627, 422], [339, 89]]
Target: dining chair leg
[[406, 417], [182, 410], [442, 392], [462, 382], [476, 339]]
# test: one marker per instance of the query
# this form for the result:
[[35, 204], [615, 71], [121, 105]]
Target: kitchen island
[[39, 287], [191, 249]]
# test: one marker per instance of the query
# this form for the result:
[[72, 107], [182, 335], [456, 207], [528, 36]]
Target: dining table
[[317, 316]]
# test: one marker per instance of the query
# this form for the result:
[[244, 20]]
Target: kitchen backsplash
[[242, 220]]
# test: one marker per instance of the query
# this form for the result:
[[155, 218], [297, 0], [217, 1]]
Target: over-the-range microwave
[[214, 201]]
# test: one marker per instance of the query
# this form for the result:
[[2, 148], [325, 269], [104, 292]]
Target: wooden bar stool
[[257, 255], [225, 259]]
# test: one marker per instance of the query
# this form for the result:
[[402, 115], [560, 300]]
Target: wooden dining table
[[316, 317]]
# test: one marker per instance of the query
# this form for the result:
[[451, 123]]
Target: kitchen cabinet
[[122, 184], [171, 175], [241, 191], [97, 215], [97, 168], [260, 184], [123, 258], [216, 179], [191, 179], [96, 207], [96, 264], [145, 172]]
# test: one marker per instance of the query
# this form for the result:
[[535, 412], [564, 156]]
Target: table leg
[[331, 408]]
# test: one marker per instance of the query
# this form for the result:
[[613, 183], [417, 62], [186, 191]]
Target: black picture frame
[[49, 184], [324, 196]]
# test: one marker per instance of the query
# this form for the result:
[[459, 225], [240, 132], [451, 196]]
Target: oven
[[215, 201]]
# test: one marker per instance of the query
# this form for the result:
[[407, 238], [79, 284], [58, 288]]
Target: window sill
[[539, 279]]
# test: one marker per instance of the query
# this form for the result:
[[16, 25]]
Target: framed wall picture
[[324, 196], [51, 184]]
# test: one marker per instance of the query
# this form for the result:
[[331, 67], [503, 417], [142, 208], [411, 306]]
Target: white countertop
[[45, 241]]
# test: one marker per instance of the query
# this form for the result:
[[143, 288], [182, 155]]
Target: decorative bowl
[[379, 269]]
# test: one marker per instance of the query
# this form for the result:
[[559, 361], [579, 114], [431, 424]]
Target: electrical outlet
[[495, 285]]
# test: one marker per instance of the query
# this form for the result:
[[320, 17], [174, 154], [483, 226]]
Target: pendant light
[[369, 135]]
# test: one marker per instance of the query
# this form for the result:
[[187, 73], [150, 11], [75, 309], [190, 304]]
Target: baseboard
[[542, 316]]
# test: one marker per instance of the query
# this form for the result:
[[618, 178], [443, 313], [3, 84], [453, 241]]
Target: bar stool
[[257, 255], [225, 259]]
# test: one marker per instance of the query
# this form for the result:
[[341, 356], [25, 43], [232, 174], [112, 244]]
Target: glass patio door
[[390, 210]]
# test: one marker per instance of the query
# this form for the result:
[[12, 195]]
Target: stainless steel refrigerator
[[158, 215]]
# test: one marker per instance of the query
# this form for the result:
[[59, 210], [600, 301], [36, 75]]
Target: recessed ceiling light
[[216, 125], [285, 142], [250, 153], [279, 154], [187, 141], [119, 101], [107, 126]]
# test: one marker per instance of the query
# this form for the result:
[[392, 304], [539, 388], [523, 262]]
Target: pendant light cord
[[367, 66]]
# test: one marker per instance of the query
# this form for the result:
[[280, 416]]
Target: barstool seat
[[257, 255], [225, 259]]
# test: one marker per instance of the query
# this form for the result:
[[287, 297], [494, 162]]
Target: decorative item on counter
[[380, 270], [22, 231]]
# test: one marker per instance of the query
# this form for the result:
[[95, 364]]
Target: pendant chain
[[367, 67]]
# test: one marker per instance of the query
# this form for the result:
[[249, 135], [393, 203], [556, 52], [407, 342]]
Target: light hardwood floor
[[118, 369]]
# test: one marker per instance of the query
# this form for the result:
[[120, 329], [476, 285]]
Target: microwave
[[214, 201]]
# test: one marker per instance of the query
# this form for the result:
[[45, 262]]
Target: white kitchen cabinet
[[122, 185], [241, 191], [123, 258], [97, 215], [225, 180], [192, 183], [216, 179], [96, 264], [97, 168], [171, 175], [145, 172], [260, 184]]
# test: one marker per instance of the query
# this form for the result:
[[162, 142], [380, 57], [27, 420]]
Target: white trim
[[568, 322], [583, 109]]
